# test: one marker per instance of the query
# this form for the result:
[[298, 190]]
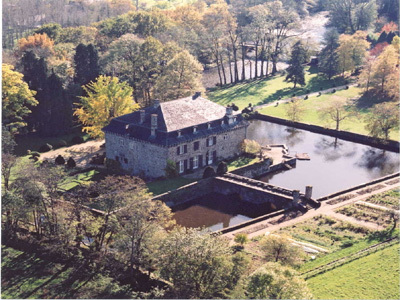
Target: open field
[[270, 89], [375, 276]]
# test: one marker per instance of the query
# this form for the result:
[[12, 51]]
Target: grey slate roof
[[181, 114]]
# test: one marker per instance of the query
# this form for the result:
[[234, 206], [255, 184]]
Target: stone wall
[[137, 157], [345, 135], [227, 146], [262, 168], [188, 192]]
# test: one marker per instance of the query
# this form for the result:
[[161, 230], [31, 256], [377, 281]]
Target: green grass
[[375, 276], [326, 232], [311, 115], [32, 141], [162, 186], [241, 162], [79, 179], [389, 199], [270, 89], [323, 259]]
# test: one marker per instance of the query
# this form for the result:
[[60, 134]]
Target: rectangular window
[[181, 149], [181, 166], [196, 146], [210, 159], [195, 162], [211, 141]]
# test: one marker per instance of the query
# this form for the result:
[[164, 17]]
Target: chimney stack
[[142, 116], [156, 103], [196, 95], [153, 124], [229, 114]]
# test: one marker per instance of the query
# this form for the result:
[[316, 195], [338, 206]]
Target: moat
[[334, 165]]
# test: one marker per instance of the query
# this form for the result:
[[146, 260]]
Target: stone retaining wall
[[262, 168], [344, 135]]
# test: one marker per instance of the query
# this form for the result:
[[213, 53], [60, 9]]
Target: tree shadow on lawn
[[367, 100]]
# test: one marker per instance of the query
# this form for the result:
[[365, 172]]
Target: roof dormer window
[[208, 125], [222, 122], [179, 133], [194, 129]]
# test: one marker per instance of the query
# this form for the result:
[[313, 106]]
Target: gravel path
[[81, 153]]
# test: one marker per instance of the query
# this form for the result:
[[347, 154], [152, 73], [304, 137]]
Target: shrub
[[235, 107], [347, 87], [222, 168], [113, 166], [250, 147], [71, 163], [334, 91], [98, 159], [294, 95], [346, 244], [34, 154], [171, 170], [62, 143], [77, 140], [306, 97], [45, 148], [241, 238], [59, 160], [209, 172], [319, 94]]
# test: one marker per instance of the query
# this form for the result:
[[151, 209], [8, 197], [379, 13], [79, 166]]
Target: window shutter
[[185, 164], [177, 150], [214, 140], [207, 142], [207, 158], [215, 156], [200, 161], [191, 163], [185, 149]]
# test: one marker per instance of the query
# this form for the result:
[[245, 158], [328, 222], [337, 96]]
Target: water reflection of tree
[[333, 148], [380, 160], [294, 137]]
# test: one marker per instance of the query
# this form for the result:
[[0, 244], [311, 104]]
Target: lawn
[[241, 162], [375, 276], [311, 115], [270, 89], [81, 178], [32, 141], [162, 186], [326, 232]]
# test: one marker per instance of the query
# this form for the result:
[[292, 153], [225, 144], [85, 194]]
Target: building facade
[[193, 132]]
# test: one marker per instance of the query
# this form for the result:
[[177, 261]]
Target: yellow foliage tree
[[385, 69], [40, 44], [106, 98]]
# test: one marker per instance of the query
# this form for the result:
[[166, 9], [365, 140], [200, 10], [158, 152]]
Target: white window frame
[[195, 162], [181, 149], [210, 159], [181, 166], [211, 141]]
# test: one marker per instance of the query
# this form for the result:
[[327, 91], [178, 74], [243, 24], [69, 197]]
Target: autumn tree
[[106, 98], [16, 98], [181, 77], [295, 71], [294, 109], [328, 62], [382, 119], [52, 30], [337, 110], [280, 249], [39, 43], [274, 281], [198, 264], [351, 50], [385, 67]]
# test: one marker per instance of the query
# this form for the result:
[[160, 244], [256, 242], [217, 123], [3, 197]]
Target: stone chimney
[[296, 196], [308, 193], [196, 95], [229, 114], [142, 116], [156, 103], [153, 124]]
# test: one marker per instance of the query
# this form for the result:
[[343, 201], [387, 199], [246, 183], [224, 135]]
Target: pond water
[[335, 164], [216, 211]]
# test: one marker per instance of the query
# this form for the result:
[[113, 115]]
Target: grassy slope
[[269, 90], [375, 276], [311, 106], [162, 186]]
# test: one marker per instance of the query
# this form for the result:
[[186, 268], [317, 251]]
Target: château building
[[193, 132]]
